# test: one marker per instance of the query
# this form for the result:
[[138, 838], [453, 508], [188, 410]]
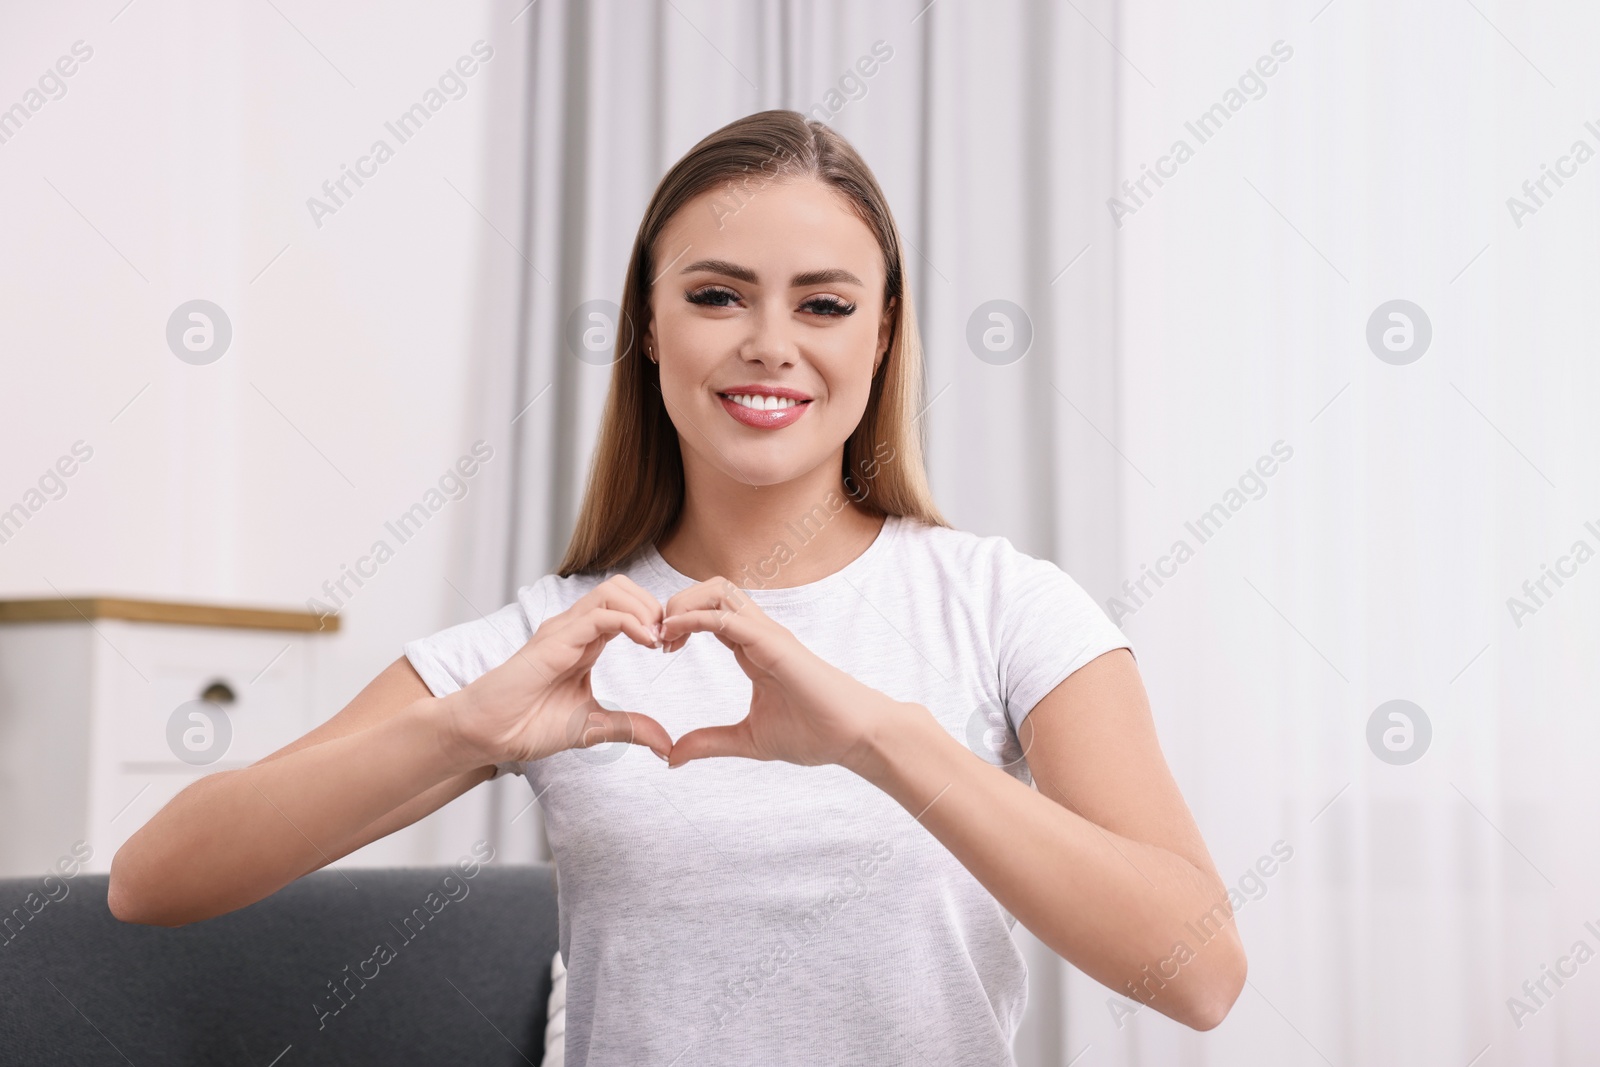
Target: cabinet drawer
[[88, 691], [164, 719]]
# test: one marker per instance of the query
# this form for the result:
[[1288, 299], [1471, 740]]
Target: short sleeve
[[454, 657], [1047, 627]]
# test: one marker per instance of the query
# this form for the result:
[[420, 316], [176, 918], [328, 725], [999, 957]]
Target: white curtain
[[1374, 164], [990, 128]]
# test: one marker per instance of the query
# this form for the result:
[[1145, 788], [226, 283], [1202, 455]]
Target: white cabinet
[[109, 707]]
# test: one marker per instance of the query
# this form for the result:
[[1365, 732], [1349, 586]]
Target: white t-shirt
[[737, 911]]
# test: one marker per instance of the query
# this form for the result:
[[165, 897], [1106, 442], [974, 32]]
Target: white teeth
[[762, 403]]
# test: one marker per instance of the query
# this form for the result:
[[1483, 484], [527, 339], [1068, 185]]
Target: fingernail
[[661, 757], [675, 766]]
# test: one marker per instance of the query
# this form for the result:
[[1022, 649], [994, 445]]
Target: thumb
[[709, 741], [595, 724]]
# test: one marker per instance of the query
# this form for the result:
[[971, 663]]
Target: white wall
[[178, 165]]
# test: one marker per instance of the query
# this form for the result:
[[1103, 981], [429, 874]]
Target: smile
[[764, 408]]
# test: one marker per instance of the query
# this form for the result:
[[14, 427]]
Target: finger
[[650, 606], [717, 593], [612, 595], [738, 628], [597, 725], [607, 623], [708, 741], [621, 593]]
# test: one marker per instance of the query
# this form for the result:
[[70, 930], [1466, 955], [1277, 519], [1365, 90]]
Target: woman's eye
[[711, 297], [716, 296], [828, 305]]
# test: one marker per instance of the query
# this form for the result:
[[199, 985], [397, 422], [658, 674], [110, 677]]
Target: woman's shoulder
[[984, 575], [1025, 598], [974, 554]]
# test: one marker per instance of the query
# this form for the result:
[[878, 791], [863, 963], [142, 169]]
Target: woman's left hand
[[802, 709]]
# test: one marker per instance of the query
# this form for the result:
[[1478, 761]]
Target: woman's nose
[[770, 341]]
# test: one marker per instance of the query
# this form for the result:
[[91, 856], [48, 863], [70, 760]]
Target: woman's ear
[[885, 332]]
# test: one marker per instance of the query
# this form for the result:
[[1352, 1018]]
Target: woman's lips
[[764, 420]]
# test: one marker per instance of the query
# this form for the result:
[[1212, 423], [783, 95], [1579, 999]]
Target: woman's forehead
[[778, 227]]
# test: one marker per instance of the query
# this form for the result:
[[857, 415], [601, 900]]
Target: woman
[[845, 889]]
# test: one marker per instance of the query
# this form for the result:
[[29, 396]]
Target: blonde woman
[[840, 749]]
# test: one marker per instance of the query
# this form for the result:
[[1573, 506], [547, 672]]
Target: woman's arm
[[407, 687], [234, 837], [393, 755], [1103, 863]]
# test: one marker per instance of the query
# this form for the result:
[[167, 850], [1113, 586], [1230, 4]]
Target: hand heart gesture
[[802, 709]]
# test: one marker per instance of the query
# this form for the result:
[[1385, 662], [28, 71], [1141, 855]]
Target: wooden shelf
[[86, 609]]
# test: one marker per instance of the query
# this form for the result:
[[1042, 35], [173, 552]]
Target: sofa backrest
[[349, 966]]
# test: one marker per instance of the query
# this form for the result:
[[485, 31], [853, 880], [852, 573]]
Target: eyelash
[[834, 307]]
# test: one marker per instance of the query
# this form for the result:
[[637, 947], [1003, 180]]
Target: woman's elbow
[[121, 899], [1217, 996], [127, 902]]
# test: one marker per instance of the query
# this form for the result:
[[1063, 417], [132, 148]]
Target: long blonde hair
[[636, 482]]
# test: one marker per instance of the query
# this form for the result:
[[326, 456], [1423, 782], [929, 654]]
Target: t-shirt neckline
[[794, 594]]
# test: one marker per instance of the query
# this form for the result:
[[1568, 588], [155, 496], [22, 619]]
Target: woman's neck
[[769, 537]]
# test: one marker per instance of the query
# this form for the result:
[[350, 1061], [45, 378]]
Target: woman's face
[[770, 290]]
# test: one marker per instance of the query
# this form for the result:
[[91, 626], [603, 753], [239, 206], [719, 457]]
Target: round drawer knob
[[218, 692]]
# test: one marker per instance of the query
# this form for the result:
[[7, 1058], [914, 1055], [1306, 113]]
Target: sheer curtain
[[990, 128], [1432, 474]]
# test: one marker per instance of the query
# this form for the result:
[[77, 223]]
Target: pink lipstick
[[765, 407]]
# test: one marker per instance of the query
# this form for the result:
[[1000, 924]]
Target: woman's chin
[[765, 464]]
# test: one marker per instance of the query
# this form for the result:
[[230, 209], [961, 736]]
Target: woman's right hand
[[539, 701]]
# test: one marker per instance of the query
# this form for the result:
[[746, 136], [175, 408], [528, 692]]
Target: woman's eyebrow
[[745, 274]]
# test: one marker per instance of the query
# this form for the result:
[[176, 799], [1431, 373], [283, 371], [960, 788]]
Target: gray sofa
[[465, 981]]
